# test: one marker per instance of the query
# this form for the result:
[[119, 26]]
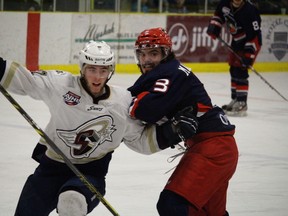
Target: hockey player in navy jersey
[[243, 22], [89, 120], [198, 186]]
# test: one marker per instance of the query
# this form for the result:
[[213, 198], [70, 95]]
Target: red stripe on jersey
[[240, 36], [136, 103], [203, 108], [253, 46]]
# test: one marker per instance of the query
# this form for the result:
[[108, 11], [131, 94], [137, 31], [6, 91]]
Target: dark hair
[[169, 57]]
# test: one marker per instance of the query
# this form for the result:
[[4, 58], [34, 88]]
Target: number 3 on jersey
[[161, 85]]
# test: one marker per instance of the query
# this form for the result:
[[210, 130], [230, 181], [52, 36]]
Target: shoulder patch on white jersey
[[71, 99]]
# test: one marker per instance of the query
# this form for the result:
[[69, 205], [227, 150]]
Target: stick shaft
[[58, 151], [251, 68]]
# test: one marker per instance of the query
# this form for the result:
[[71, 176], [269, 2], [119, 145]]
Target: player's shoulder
[[57, 77], [171, 66], [249, 13], [173, 70], [224, 3], [120, 97], [251, 7], [119, 91], [52, 73]]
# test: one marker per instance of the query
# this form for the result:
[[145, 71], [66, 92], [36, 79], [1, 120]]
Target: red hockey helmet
[[153, 38]]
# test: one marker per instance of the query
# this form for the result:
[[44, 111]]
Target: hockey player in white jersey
[[89, 120]]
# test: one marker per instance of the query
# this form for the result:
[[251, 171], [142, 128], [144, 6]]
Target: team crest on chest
[[71, 99], [84, 139]]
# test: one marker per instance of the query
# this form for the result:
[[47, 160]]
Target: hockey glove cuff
[[248, 60], [166, 135], [181, 127], [185, 123]]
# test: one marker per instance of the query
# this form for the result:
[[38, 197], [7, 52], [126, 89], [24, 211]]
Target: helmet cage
[[153, 38], [165, 52]]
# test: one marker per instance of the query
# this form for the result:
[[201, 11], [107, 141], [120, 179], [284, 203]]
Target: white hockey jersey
[[82, 130]]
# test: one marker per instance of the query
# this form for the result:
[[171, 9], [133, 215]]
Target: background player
[[243, 21]]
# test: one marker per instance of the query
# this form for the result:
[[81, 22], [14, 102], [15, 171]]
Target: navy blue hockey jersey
[[171, 87], [244, 24]]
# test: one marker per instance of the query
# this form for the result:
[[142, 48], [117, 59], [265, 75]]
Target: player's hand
[[185, 123], [247, 60], [214, 28], [181, 127]]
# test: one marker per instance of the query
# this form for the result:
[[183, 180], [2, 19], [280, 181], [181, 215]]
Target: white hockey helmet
[[97, 53]]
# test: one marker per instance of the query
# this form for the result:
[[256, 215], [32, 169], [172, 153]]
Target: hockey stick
[[251, 68], [59, 152]]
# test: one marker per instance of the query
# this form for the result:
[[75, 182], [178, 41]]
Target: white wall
[[62, 35]]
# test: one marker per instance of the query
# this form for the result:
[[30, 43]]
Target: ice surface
[[258, 188]]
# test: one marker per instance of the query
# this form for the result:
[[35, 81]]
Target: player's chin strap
[[251, 68]]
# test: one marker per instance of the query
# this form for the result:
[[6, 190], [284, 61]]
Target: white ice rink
[[258, 188]]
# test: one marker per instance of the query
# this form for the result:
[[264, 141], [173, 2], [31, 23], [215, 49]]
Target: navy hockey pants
[[39, 196]]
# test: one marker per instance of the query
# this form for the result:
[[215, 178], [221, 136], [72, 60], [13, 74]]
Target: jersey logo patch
[[71, 99], [88, 137], [95, 108], [39, 72]]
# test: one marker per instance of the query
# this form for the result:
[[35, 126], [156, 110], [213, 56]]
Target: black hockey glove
[[249, 53], [246, 62], [214, 28], [247, 59], [185, 123], [2, 67], [181, 127]]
